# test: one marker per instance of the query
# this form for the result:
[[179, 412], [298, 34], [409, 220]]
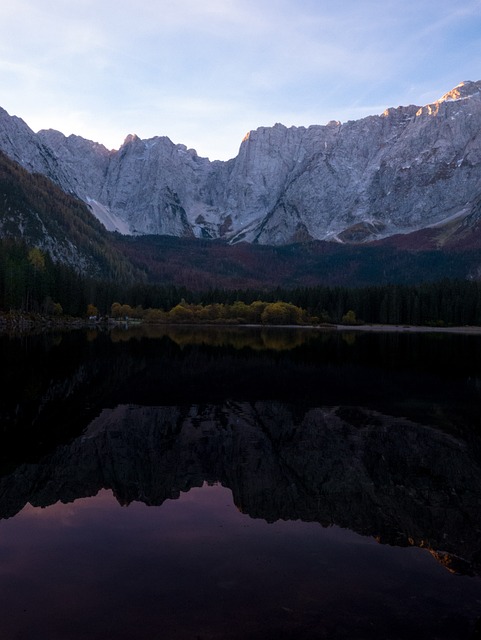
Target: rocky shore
[[20, 322]]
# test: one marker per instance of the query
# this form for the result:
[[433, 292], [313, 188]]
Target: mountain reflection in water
[[375, 434]]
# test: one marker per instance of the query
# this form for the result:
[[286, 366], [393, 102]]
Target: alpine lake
[[188, 483]]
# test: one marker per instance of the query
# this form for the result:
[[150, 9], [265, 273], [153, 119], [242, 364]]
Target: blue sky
[[204, 72]]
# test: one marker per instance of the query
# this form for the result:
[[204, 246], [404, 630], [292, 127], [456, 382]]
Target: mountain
[[35, 210], [409, 169]]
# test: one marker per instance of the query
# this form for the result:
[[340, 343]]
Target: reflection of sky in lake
[[198, 568]]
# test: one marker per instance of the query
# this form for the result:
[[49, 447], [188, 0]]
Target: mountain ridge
[[399, 172]]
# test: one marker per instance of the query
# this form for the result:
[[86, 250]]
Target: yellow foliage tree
[[92, 310], [349, 317], [181, 313], [282, 313], [36, 259]]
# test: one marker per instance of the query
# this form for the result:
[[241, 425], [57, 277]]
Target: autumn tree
[[349, 317], [116, 310], [282, 313], [92, 311], [181, 313]]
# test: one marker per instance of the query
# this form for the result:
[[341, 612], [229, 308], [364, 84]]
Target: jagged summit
[[129, 139], [463, 90], [382, 175]]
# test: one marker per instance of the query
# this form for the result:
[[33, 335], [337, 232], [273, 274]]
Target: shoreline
[[20, 324], [402, 328]]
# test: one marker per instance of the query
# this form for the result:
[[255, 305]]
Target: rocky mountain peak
[[463, 90], [130, 138]]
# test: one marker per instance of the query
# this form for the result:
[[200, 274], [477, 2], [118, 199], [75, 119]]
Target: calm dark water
[[240, 484]]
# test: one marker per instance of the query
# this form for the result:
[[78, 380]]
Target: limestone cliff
[[404, 170]]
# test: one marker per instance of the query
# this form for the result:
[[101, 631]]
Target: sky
[[205, 72]]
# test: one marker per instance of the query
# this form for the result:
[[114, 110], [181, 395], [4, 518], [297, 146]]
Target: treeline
[[257, 312], [31, 281]]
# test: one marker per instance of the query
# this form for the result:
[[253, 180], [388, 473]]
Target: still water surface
[[240, 484]]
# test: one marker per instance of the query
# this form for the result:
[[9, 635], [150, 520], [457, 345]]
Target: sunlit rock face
[[388, 477], [404, 170]]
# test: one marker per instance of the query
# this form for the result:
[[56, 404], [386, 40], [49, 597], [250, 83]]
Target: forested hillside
[[32, 208], [30, 281], [203, 264]]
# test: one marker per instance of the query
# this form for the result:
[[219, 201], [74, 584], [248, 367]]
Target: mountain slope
[[200, 265], [34, 209], [405, 170]]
